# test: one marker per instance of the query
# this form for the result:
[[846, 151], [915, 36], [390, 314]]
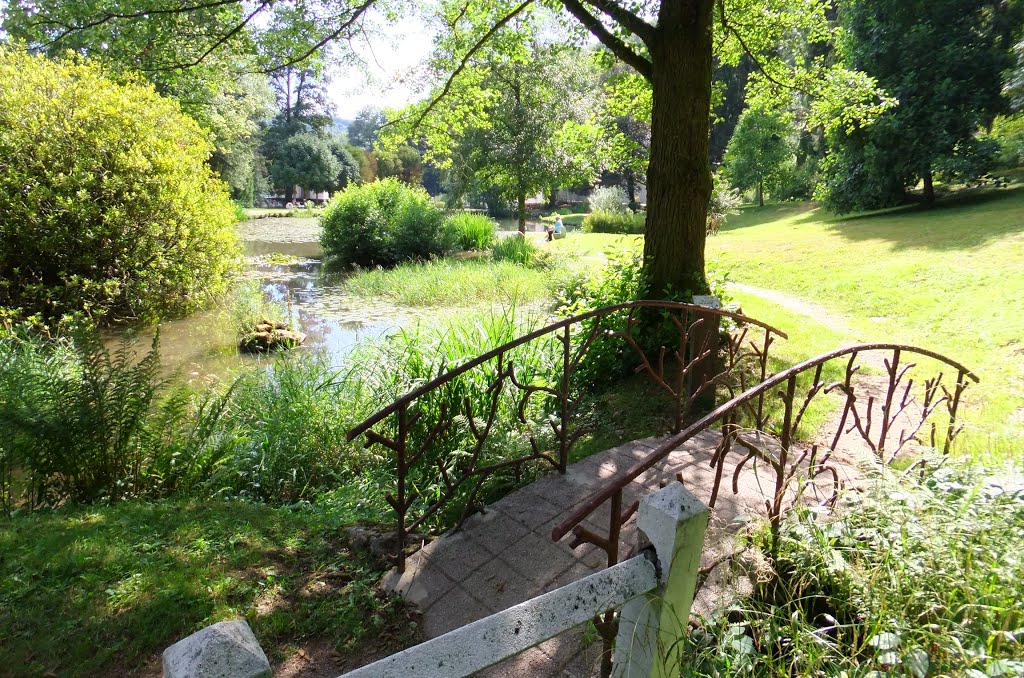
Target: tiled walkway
[[505, 556]]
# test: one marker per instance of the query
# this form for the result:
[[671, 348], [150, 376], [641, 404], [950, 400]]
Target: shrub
[[107, 206], [382, 224], [612, 222], [472, 231], [725, 200], [516, 249], [611, 199]]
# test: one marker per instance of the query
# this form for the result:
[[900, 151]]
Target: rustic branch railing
[[770, 438], [767, 437], [529, 390]]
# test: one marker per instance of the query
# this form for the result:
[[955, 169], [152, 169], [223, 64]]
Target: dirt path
[[870, 384]]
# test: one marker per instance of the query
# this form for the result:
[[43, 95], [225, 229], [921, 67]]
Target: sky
[[386, 77]]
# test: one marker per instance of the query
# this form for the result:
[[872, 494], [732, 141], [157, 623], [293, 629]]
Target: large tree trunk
[[760, 192], [679, 177]]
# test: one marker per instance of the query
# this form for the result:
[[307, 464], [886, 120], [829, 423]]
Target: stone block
[[226, 649]]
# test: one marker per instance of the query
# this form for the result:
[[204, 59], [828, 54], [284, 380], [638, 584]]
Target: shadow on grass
[[964, 220], [103, 590], [756, 216]]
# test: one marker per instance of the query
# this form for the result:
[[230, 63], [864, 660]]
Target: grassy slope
[[950, 279], [103, 590]]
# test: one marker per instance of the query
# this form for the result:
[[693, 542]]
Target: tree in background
[[365, 128], [403, 163], [942, 60], [759, 152], [522, 123], [305, 160]]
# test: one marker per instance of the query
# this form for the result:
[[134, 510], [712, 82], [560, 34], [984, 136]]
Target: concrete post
[[652, 627]]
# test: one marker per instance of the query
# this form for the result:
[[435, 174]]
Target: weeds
[[911, 578]]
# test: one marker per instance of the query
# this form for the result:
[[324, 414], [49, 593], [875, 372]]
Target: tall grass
[[472, 231], [614, 222], [451, 282], [516, 249], [469, 400], [910, 579]]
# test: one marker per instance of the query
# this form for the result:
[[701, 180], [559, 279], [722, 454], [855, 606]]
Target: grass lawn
[[949, 279], [103, 590]]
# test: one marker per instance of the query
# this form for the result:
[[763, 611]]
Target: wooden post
[[652, 627]]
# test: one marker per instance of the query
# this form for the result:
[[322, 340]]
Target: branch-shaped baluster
[[953, 404]]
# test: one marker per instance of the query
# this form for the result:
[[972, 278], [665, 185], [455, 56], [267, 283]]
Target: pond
[[284, 254]]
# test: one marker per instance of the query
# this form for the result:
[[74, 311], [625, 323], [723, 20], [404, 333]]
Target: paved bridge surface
[[505, 555]]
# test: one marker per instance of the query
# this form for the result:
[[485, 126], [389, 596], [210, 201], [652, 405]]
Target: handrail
[[688, 368], [610, 491], [376, 418]]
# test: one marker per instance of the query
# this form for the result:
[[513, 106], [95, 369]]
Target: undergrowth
[[910, 578]]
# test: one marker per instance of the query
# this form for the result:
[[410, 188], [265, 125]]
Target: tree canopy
[[942, 60], [758, 151], [671, 45]]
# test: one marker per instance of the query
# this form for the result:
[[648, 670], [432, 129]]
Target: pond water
[[284, 254]]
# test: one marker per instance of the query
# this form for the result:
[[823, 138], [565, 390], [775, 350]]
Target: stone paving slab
[[505, 555]]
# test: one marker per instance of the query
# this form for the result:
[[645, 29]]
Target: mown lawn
[[103, 590], [949, 279]]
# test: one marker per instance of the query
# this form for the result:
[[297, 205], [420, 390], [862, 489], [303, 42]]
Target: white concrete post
[[652, 627]]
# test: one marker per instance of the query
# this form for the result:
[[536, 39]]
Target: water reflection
[[284, 255]]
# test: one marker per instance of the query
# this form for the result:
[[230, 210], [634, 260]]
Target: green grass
[[807, 339], [453, 282], [911, 579], [102, 591], [948, 279], [590, 245], [570, 220]]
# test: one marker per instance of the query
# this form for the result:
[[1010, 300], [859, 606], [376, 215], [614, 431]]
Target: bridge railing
[[885, 416], [519, 404]]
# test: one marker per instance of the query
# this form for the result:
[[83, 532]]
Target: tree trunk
[[522, 210], [552, 197], [760, 192], [631, 189], [289, 193], [929, 188], [679, 176]]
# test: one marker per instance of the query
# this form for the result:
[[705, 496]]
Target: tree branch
[[462, 65], [221, 40], [615, 44], [729, 28], [631, 22], [141, 14], [333, 35]]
